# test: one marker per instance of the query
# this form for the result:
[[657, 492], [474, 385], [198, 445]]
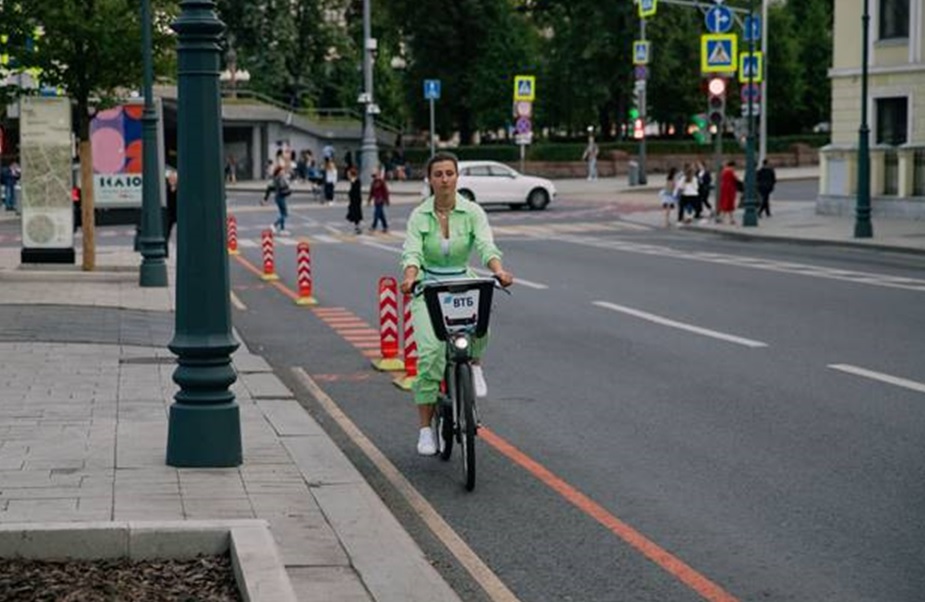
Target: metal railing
[[321, 114]]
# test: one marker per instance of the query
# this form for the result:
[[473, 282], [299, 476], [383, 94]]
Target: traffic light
[[716, 90]]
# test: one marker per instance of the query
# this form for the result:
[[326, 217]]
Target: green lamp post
[[153, 271], [750, 218], [204, 428], [862, 225]]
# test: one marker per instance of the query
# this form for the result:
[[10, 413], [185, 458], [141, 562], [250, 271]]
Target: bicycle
[[459, 310]]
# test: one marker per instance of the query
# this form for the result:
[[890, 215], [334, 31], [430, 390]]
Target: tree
[[91, 49], [475, 48]]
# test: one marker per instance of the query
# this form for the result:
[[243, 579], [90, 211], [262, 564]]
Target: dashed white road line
[[681, 325], [886, 378]]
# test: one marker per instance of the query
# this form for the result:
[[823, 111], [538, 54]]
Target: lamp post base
[[152, 273], [204, 435]]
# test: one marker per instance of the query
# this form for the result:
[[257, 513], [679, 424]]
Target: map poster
[[45, 152]]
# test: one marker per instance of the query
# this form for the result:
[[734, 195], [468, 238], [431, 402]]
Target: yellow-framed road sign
[[751, 64], [719, 53], [524, 87], [647, 8]]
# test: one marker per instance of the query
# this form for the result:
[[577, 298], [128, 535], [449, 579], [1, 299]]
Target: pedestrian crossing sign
[[647, 8], [641, 52], [751, 64], [524, 87], [719, 53]]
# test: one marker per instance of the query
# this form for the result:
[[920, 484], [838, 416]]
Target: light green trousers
[[432, 354]]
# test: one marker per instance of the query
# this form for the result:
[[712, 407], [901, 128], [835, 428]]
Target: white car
[[490, 182]]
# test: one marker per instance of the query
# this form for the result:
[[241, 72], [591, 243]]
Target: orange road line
[[671, 564], [276, 283]]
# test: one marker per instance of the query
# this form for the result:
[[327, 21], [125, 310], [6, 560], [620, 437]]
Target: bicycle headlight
[[461, 343]]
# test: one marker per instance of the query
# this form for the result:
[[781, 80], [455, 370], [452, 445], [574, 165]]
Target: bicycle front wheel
[[465, 399]]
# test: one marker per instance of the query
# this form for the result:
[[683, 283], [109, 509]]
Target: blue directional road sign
[[751, 29], [718, 19], [432, 89]]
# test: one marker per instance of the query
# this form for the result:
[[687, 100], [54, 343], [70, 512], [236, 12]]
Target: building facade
[[895, 109]]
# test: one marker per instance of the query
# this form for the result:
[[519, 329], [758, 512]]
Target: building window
[[892, 120], [894, 19]]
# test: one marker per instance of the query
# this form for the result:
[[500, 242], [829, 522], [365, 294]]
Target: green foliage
[[91, 48]]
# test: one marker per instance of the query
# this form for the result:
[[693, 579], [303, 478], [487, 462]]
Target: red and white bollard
[[233, 235], [411, 348], [269, 266], [388, 326], [304, 275]]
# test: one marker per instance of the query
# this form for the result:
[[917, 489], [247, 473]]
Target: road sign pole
[[763, 118], [642, 114], [433, 134], [750, 218]]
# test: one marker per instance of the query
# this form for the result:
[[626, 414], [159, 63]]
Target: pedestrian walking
[[281, 192], [667, 194], [379, 198], [330, 179], [704, 184], [766, 179], [171, 206], [687, 191], [355, 200], [590, 155], [729, 187]]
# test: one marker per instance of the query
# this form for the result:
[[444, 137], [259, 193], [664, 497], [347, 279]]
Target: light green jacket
[[469, 230]]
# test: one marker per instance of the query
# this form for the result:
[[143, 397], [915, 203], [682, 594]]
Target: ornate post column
[[204, 427], [153, 271]]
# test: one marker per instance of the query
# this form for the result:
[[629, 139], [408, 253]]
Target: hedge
[[572, 151]]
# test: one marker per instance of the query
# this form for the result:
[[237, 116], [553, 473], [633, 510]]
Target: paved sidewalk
[[85, 390]]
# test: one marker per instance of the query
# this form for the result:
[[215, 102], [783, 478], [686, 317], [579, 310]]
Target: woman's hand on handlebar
[[504, 278], [407, 285]]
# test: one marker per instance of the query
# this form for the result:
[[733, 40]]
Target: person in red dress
[[729, 186]]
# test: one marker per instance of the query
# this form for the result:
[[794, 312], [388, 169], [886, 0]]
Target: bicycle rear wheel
[[466, 423]]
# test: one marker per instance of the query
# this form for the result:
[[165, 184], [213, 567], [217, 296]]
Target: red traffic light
[[716, 86]]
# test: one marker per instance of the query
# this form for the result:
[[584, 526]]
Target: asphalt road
[[706, 418], [720, 420]]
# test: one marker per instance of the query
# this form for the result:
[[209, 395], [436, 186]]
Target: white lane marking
[[248, 243], [886, 378], [377, 245], [237, 302], [743, 261], [517, 280], [480, 271], [325, 238], [681, 325], [466, 556]]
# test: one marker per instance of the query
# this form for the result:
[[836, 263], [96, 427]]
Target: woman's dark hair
[[442, 156]]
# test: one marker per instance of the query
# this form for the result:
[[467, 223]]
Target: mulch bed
[[205, 579]]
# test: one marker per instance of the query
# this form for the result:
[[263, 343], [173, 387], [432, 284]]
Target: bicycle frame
[[459, 309]]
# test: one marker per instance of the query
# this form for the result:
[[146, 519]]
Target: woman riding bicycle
[[441, 234]]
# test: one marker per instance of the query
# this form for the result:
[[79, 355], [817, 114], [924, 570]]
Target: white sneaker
[[426, 444], [478, 380], [284, 233], [274, 228]]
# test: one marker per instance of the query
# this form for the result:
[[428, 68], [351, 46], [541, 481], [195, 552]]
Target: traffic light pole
[[642, 113], [750, 218]]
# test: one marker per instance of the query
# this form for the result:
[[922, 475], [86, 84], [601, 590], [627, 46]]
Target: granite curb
[[259, 571]]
